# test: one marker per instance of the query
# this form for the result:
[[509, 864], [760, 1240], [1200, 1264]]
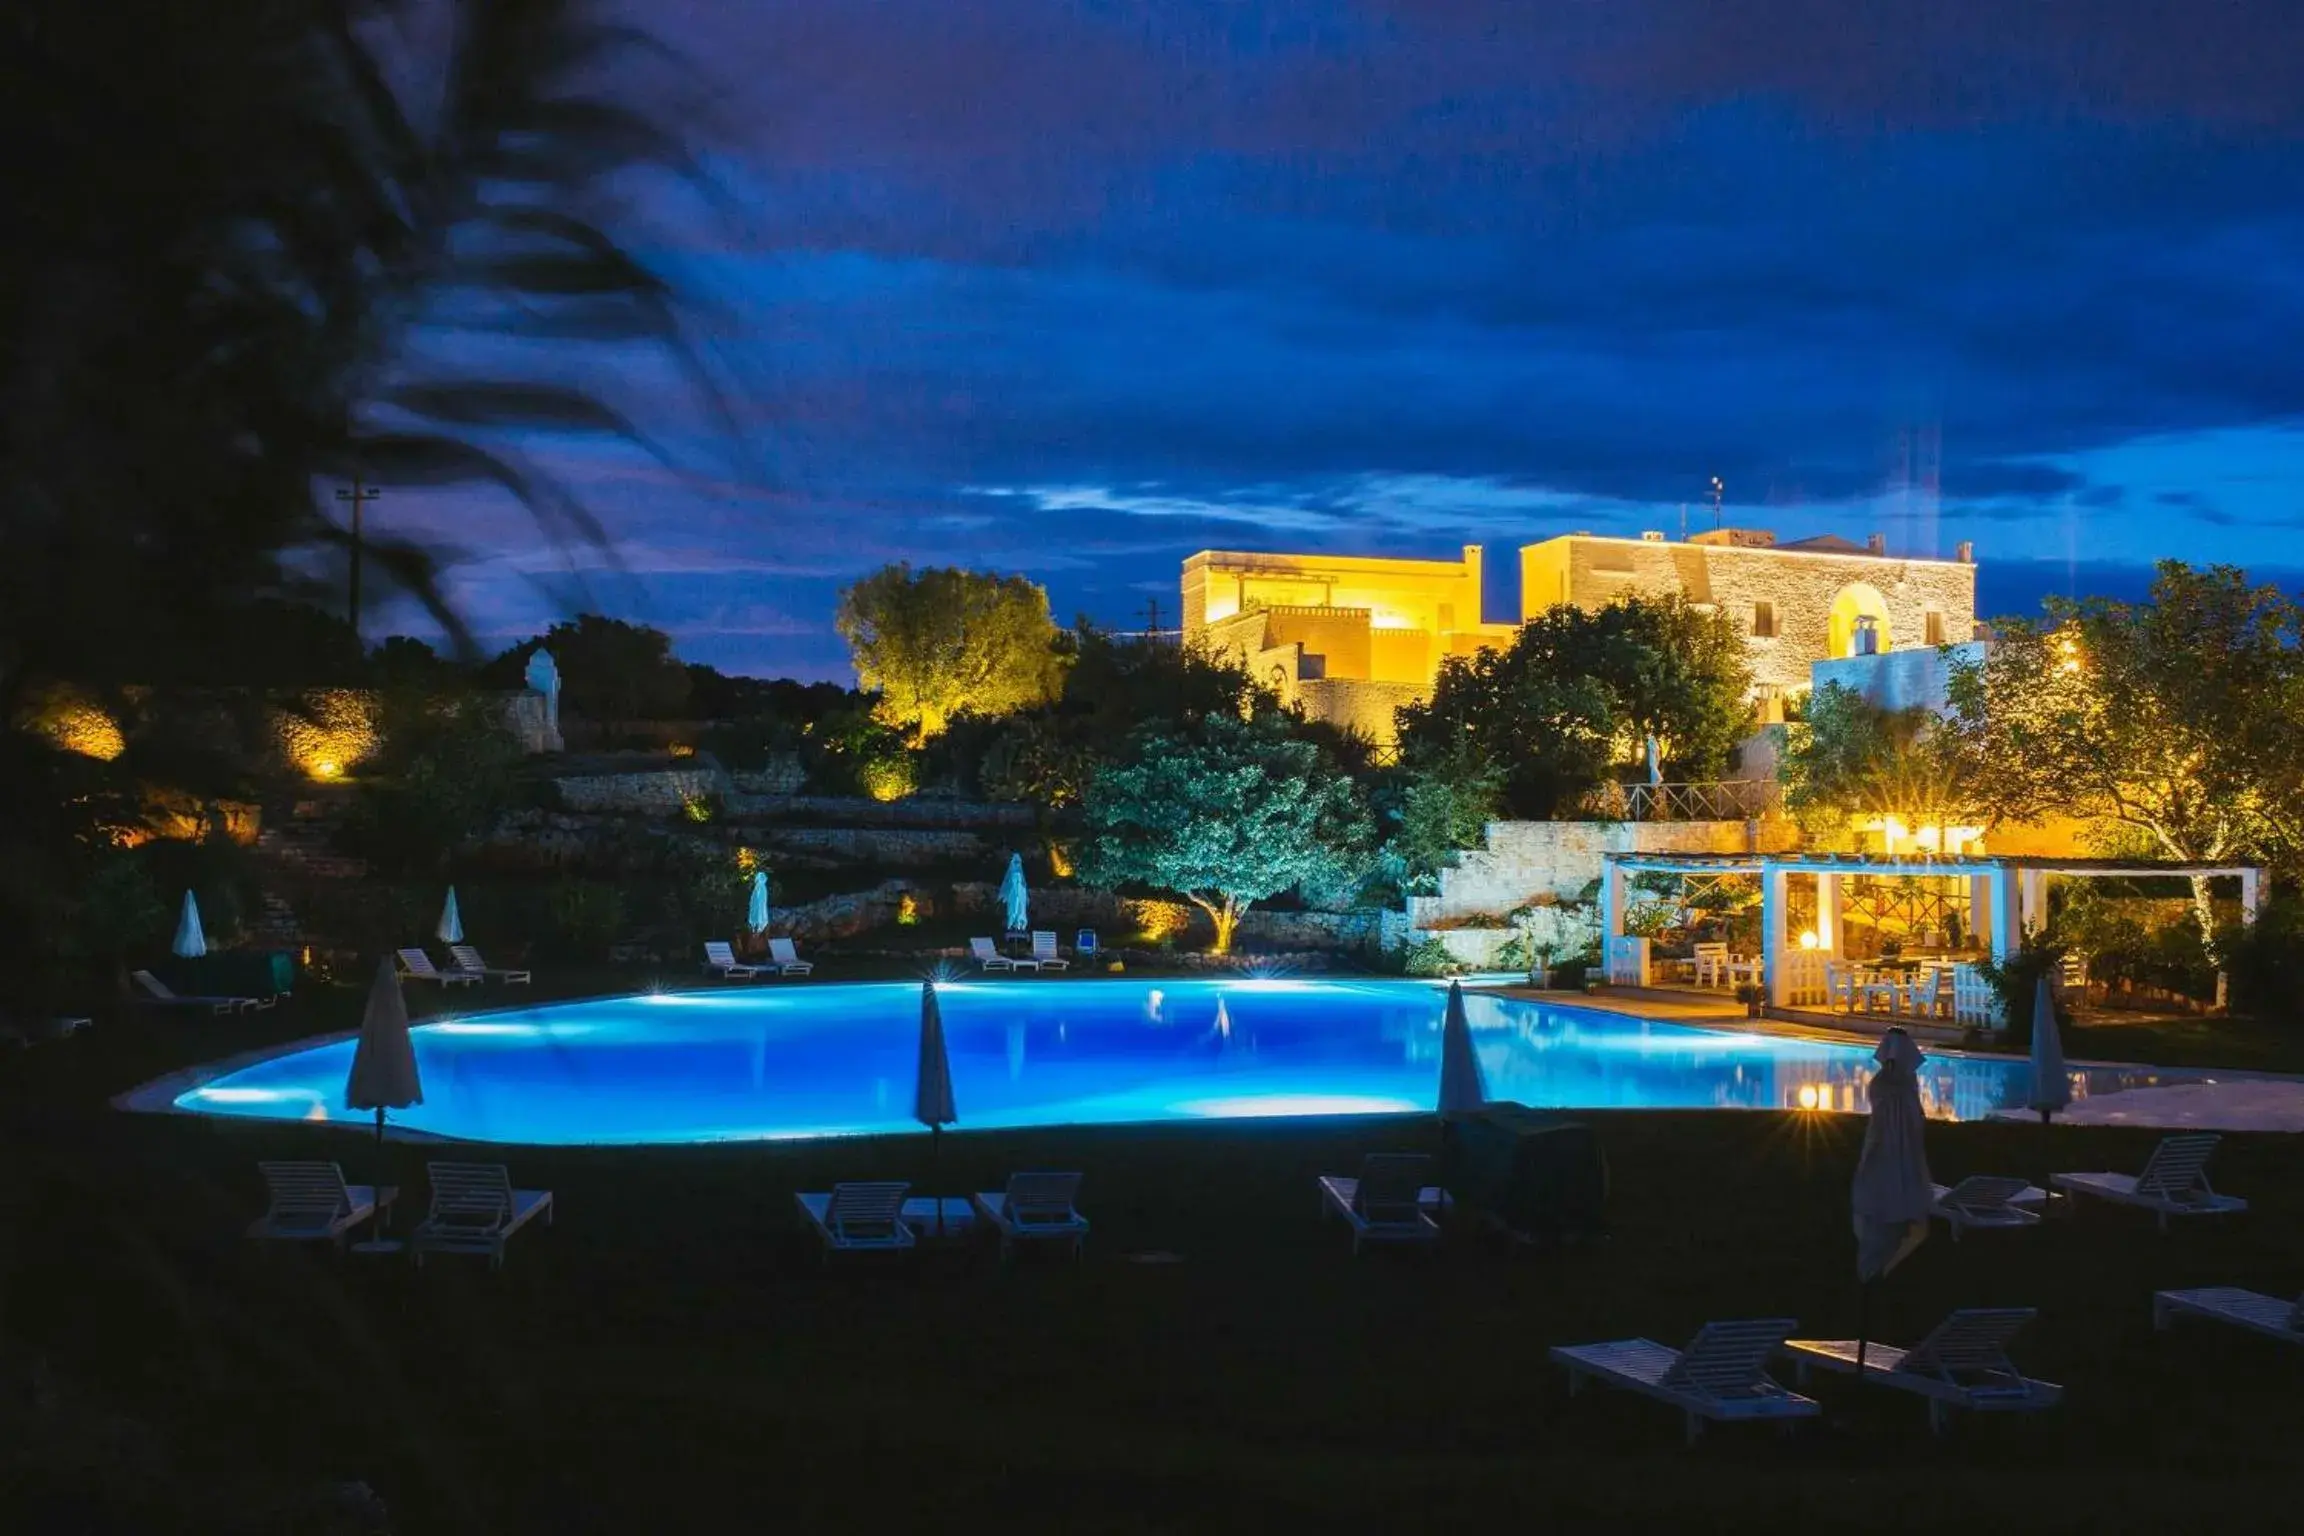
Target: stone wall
[[1523, 860], [859, 811], [1799, 585], [651, 792], [891, 847], [1365, 707], [1066, 908], [1915, 679]]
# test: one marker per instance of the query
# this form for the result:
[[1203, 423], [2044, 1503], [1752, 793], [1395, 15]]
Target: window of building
[[1935, 627], [1764, 620], [1866, 636]]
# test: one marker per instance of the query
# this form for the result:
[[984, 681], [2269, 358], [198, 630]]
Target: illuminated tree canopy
[[1225, 813], [937, 641], [2179, 719]]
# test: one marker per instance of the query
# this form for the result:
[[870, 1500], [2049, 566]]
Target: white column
[[2251, 896], [2034, 885], [1827, 914], [1774, 917], [2007, 927], [1611, 899], [1979, 910]]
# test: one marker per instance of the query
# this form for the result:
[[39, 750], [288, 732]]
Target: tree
[[1433, 808], [2179, 719], [1578, 691], [941, 640], [449, 769], [1848, 757], [609, 669], [1225, 813]]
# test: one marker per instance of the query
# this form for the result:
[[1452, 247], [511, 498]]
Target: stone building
[[1350, 639]]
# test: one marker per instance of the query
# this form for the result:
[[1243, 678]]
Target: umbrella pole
[[935, 1141], [1863, 1325]]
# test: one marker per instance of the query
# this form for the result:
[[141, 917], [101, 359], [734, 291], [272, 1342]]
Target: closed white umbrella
[[451, 929], [190, 943], [932, 1086], [1893, 1192], [383, 1075], [1015, 897], [756, 913], [2051, 1084], [1462, 1088]]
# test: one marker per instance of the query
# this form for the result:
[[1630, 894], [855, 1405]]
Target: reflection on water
[[832, 1059]]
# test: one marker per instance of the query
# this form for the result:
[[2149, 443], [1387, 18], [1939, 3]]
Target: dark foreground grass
[[672, 1357]]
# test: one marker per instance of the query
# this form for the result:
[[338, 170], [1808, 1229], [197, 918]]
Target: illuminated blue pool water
[[811, 1059]]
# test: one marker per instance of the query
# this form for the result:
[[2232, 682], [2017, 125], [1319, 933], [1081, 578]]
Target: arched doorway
[[1858, 625]]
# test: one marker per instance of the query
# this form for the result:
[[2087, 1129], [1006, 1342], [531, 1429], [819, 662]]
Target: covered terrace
[[1893, 933]]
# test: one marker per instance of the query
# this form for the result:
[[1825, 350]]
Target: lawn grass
[[2239, 1044], [672, 1356]]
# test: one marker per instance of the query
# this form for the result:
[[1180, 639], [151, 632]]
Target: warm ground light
[[671, 1356]]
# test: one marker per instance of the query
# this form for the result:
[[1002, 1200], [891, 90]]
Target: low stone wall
[[1524, 860], [651, 792], [851, 912], [858, 811], [1069, 907], [891, 847]]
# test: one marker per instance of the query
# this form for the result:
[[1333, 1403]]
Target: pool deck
[[2218, 1101]]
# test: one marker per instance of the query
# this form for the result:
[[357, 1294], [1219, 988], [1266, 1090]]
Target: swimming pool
[[816, 1059]]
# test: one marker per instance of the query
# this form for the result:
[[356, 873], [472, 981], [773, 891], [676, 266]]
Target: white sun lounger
[[1388, 1203], [2253, 1310], [721, 961], [2174, 1182], [157, 991], [417, 966], [991, 959], [312, 1203], [469, 963], [1044, 951], [785, 960], [1963, 1363], [858, 1218], [1036, 1207], [475, 1209], [1722, 1374], [1987, 1202]]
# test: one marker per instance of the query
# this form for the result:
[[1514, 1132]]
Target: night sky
[[1076, 289]]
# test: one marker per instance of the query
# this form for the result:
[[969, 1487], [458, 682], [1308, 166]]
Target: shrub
[[2266, 960], [2016, 981], [1432, 957], [586, 918]]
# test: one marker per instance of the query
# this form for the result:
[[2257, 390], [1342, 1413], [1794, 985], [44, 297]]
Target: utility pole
[[1152, 619], [1717, 490], [359, 496]]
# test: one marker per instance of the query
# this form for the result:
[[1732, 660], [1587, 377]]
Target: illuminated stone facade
[[1350, 639]]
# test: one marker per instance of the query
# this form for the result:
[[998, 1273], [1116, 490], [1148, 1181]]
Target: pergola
[[2007, 894]]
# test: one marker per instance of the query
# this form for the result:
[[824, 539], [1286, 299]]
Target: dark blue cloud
[[1079, 288]]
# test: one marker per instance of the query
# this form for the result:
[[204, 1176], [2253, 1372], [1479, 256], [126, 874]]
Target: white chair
[[475, 1209], [1721, 1375], [469, 963], [859, 1218], [1036, 1207], [785, 959], [721, 961], [1839, 986], [991, 959], [312, 1203], [1044, 954], [2271, 1316], [2174, 1182], [1928, 994], [157, 993], [1711, 965], [1963, 1363], [1987, 1202], [1388, 1202], [417, 966]]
